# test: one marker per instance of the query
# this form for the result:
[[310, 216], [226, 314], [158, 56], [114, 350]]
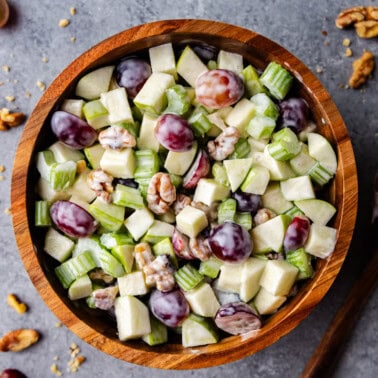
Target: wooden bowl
[[99, 331]]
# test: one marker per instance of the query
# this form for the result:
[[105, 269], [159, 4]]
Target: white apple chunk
[[240, 115], [191, 221], [209, 191], [146, 139], [119, 163], [256, 181], [117, 104], [190, 66], [132, 284], [237, 170], [230, 277], [267, 303], [321, 241], [297, 188], [319, 211], [202, 300], [250, 278], [274, 200], [179, 162], [321, 150], [139, 222]]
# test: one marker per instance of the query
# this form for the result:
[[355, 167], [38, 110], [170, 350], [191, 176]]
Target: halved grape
[[171, 308], [230, 242], [12, 373], [237, 318], [132, 73], [72, 219], [72, 130], [296, 233], [219, 88], [174, 133], [180, 243], [200, 168], [294, 113]]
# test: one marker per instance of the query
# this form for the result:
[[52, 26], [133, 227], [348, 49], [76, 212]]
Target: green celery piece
[[211, 267], [110, 216], [96, 114], [147, 164], [113, 239], [227, 210], [188, 277], [124, 254], [265, 106], [200, 123], [319, 174], [128, 197], [75, 267], [158, 334], [143, 183], [62, 175], [165, 247], [219, 173], [244, 220], [242, 149], [131, 127], [178, 100], [285, 145], [293, 212], [301, 260], [42, 214], [261, 127], [252, 82], [277, 79]]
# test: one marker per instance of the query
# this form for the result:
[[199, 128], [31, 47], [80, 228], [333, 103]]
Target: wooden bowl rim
[[231, 348]]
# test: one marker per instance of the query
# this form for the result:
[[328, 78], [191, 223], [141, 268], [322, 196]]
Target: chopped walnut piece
[[81, 166], [101, 183], [372, 13], [367, 29], [224, 144], [100, 275], [200, 248], [116, 138], [350, 16], [10, 98], [6, 68], [64, 22], [181, 202], [263, 215], [160, 273], [362, 69], [19, 339], [16, 304], [143, 255], [161, 193], [104, 298], [346, 42], [8, 119]]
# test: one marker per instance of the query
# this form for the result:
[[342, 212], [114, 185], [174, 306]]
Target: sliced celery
[[112, 239], [301, 260], [219, 173], [261, 127], [319, 174], [164, 247], [252, 82], [227, 210], [110, 264], [200, 123], [244, 219], [178, 100], [285, 145], [62, 175], [277, 80], [75, 267], [147, 164], [265, 106], [188, 277], [128, 197], [242, 149], [211, 267], [42, 214], [110, 216], [293, 212]]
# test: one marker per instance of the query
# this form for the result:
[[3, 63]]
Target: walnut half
[[362, 69], [17, 340]]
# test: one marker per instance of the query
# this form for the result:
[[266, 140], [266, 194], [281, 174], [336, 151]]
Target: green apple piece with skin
[[230, 277], [197, 330], [110, 216], [113, 239], [267, 303], [63, 153], [209, 191], [162, 59], [91, 85], [230, 61], [303, 162], [297, 188], [119, 163], [158, 334], [240, 115], [189, 66], [146, 139], [125, 254], [321, 240], [80, 288], [47, 193], [117, 104], [265, 106], [158, 231], [319, 211], [250, 278], [278, 277], [139, 222], [132, 316], [321, 150], [210, 267], [80, 188], [164, 247], [132, 284], [191, 221], [151, 98], [73, 106], [269, 236], [96, 114], [237, 170], [260, 126], [274, 200], [45, 162], [301, 260], [57, 245], [94, 154], [251, 81], [202, 300], [256, 181], [128, 197], [179, 162]]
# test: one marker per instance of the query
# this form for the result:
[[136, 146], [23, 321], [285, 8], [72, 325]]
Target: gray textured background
[[33, 33]]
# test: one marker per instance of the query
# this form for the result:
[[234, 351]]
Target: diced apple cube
[[81, 189], [146, 139], [96, 114], [80, 288], [57, 245], [139, 222], [319, 211], [179, 162], [63, 153], [250, 278], [132, 284], [73, 106], [297, 188], [237, 170], [115, 101], [278, 277], [132, 316], [267, 303], [197, 330], [162, 59], [94, 154], [209, 191], [191, 221], [240, 115], [230, 277], [202, 300], [47, 193], [321, 240], [119, 163], [230, 61], [256, 180], [274, 200]]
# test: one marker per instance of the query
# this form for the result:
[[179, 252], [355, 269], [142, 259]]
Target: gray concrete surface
[[33, 33]]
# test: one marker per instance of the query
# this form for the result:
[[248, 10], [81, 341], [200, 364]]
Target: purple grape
[[72, 219], [297, 233], [12, 373], [132, 73], [294, 113], [174, 133], [72, 130], [180, 243], [247, 202], [127, 182], [205, 51], [230, 242], [237, 318], [171, 307]]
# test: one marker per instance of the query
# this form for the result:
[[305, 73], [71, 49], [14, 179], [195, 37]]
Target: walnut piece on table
[[19, 339], [362, 69]]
